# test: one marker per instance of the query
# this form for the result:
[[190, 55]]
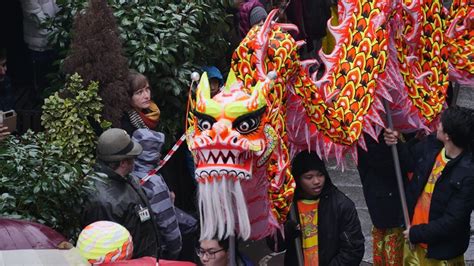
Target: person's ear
[[124, 164]]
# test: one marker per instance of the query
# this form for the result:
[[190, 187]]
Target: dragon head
[[230, 140], [228, 130]]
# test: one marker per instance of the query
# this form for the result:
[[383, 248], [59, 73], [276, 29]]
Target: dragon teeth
[[219, 156]]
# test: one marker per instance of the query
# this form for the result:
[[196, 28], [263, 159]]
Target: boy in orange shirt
[[327, 222]]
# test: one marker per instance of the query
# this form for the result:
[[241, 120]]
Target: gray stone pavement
[[466, 97], [349, 182]]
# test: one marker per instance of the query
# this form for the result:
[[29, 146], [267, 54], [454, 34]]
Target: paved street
[[349, 183]]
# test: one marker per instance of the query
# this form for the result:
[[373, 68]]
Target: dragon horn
[[204, 89], [231, 80]]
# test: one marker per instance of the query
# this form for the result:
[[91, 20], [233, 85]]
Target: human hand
[[406, 234], [3, 132], [391, 136]]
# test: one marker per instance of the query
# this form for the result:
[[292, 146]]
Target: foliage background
[[37, 183], [67, 120], [164, 39], [96, 54], [43, 175]]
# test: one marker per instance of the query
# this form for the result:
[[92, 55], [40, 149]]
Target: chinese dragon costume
[[242, 140]]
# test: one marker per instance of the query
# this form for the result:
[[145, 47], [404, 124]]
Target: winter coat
[[379, 183], [165, 216], [118, 199], [340, 239], [448, 230], [157, 191], [311, 17], [35, 12]]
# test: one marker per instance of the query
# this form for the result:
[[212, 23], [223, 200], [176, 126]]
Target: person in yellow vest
[[440, 191], [327, 222]]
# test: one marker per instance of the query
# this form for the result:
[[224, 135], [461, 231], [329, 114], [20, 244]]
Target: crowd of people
[[438, 174], [437, 171]]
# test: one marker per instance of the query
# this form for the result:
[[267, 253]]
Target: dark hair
[[224, 243], [458, 123], [111, 165], [136, 81], [306, 161]]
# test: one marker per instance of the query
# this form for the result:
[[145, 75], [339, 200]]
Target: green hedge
[[166, 40]]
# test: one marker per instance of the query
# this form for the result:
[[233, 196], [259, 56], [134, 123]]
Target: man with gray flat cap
[[117, 196]]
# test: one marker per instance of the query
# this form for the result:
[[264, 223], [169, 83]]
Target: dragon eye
[[249, 122], [248, 125], [204, 122]]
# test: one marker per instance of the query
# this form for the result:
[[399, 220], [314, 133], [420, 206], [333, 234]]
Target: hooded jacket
[[340, 239], [119, 199], [157, 191], [244, 16]]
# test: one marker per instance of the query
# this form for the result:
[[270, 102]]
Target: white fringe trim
[[219, 204]]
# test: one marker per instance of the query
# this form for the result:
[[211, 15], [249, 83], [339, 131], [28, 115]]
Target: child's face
[[312, 183], [214, 87]]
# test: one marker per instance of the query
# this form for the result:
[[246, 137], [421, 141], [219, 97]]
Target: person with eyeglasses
[[215, 252]]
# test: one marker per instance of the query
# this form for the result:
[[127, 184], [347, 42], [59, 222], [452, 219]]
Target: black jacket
[[447, 232], [379, 183], [118, 199], [340, 239]]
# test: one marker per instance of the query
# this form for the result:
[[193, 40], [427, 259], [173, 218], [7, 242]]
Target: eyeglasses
[[211, 254]]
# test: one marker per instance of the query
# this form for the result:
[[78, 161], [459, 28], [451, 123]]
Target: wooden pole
[[398, 171]]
